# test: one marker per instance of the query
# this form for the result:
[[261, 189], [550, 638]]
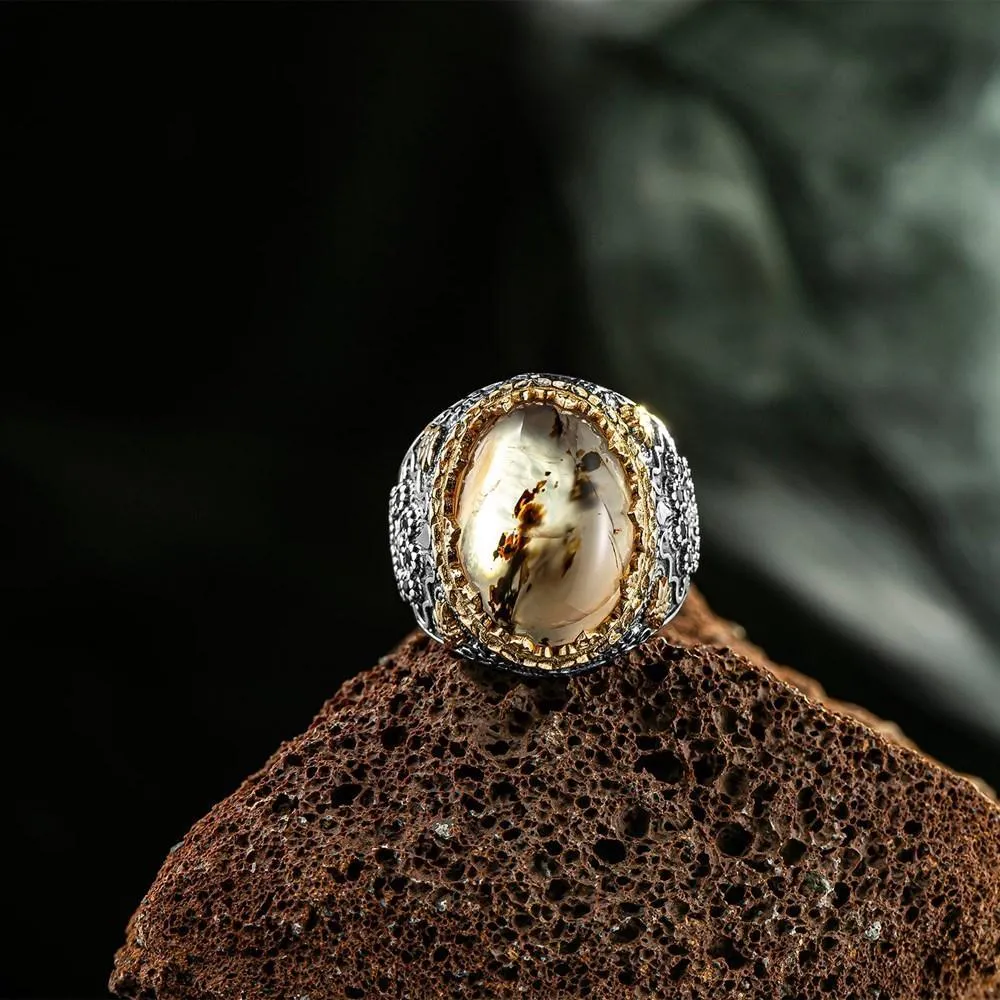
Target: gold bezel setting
[[623, 431]]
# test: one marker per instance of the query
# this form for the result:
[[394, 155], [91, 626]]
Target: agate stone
[[545, 534]]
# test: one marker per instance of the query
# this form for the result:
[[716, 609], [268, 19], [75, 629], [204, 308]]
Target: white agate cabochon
[[545, 535]]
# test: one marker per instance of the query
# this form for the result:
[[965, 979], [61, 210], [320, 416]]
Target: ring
[[543, 525]]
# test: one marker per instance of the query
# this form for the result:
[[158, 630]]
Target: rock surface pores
[[683, 825]]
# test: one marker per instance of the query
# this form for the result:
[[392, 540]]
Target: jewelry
[[543, 525]]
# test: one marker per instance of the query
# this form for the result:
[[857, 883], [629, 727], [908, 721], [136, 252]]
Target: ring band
[[543, 525]]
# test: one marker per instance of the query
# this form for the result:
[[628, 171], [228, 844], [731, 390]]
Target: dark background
[[248, 252]]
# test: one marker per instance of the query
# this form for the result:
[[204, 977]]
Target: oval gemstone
[[545, 534]]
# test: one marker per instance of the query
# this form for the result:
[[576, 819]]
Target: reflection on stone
[[545, 533]]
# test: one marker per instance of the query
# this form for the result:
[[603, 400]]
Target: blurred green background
[[249, 251]]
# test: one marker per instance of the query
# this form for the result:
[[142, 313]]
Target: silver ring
[[543, 525]]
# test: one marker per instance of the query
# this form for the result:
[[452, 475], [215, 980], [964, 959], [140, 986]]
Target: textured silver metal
[[676, 530]]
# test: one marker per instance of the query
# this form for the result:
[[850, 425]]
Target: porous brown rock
[[692, 823]]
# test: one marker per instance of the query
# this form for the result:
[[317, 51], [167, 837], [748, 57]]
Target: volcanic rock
[[693, 822]]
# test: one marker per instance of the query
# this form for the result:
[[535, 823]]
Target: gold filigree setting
[[658, 610], [626, 429]]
